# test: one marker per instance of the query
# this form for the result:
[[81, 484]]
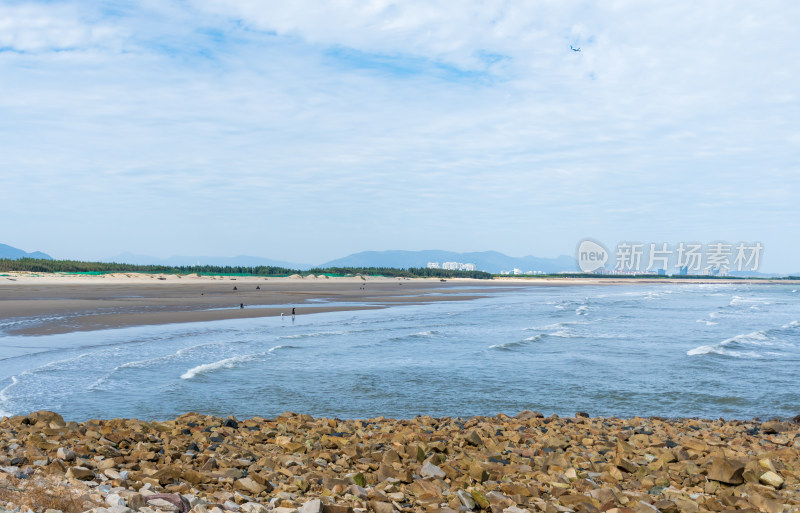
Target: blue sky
[[308, 131]]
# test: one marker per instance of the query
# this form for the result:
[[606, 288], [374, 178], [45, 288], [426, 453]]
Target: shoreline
[[296, 463], [39, 304]]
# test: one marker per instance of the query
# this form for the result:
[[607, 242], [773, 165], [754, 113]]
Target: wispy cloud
[[305, 130]]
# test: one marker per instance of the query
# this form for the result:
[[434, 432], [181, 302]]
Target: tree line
[[37, 265]]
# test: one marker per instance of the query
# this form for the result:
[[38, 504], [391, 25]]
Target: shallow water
[[692, 350]]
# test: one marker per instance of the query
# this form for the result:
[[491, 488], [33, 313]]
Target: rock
[[466, 499], [643, 507], [312, 506], [65, 454], [336, 508], [80, 473], [528, 414], [775, 426], [180, 503], [480, 499], [431, 470], [473, 439], [113, 499], [666, 506], [46, 418], [477, 472], [725, 470], [253, 507], [136, 501], [382, 507], [163, 505], [249, 485], [686, 505], [772, 479]]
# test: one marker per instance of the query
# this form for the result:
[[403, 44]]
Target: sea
[[670, 350]]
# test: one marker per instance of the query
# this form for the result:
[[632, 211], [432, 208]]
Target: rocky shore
[[299, 464]]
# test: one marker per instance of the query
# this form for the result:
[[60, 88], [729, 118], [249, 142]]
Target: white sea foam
[[507, 346], [424, 334], [720, 350], [707, 322], [312, 335], [227, 363], [555, 326], [582, 310], [760, 338]]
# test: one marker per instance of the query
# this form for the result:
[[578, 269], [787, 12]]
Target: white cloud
[[48, 27], [323, 115]]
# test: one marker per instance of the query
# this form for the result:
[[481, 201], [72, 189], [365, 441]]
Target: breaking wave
[[735, 346], [509, 346], [227, 363]]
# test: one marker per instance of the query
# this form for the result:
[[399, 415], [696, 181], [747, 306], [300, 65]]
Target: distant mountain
[[242, 260], [13, 253], [754, 274], [490, 261]]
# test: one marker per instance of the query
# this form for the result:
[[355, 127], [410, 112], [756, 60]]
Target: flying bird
[[574, 49]]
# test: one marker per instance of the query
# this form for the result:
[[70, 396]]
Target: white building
[[468, 267], [450, 266], [433, 265]]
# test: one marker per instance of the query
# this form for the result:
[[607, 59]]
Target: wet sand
[[52, 304], [92, 303]]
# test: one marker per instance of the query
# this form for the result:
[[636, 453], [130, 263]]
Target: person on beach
[[281, 315], [241, 305], [292, 313]]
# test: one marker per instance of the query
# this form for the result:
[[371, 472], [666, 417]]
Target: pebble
[[299, 464]]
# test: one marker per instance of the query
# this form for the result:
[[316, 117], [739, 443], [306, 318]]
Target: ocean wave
[[719, 350], [761, 338], [313, 335], [582, 310], [748, 301], [419, 334], [229, 363], [509, 346], [424, 334], [555, 326]]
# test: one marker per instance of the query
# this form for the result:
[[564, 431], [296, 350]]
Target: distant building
[[516, 271], [433, 265], [468, 267], [450, 266]]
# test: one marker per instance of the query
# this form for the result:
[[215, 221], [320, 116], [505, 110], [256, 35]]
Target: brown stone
[[80, 473], [175, 499], [382, 507], [726, 470]]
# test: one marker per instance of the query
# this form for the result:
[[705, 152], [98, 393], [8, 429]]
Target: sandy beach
[[61, 303]]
